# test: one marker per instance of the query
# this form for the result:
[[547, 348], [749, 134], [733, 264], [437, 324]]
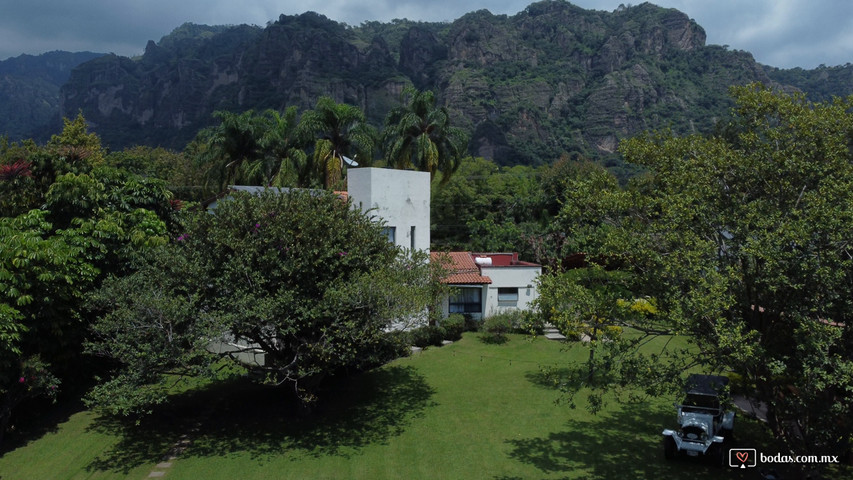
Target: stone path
[[184, 441], [551, 333], [178, 448]]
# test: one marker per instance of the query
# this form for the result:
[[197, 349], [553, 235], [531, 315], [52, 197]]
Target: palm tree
[[235, 147], [341, 131], [286, 163], [419, 135]]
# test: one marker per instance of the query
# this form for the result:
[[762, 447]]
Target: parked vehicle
[[704, 424]]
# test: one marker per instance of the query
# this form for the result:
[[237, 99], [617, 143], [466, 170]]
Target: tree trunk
[[591, 361]]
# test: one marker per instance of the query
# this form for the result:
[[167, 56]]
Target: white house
[[488, 283], [400, 198]]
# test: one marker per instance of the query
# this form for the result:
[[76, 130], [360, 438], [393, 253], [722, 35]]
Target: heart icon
[[742, 456]]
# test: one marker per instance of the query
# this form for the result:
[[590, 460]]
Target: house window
[[508, 294], [412, 237], [391, 233], [466, 300]]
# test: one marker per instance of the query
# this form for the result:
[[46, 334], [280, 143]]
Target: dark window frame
[[507, 294], [463, 300]]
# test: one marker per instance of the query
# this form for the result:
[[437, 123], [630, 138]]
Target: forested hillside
[[553, 79]]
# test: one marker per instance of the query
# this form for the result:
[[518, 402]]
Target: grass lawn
[[467, 410]]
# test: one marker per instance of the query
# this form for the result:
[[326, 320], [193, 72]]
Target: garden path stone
[[552, 333], [184, 441]]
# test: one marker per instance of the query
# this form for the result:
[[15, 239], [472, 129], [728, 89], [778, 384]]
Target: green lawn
[[467, 410]]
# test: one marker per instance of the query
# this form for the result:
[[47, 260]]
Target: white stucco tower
[[401, 198]]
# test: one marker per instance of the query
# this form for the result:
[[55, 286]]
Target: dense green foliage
[[742, 242], [488, 208], [42, 280], [68, 220], [419, 135], [254, 149], [340, 131], [313, 148], [302, 276]]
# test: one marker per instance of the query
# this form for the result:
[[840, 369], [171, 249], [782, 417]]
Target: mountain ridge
[[553, 79], [29, 90]]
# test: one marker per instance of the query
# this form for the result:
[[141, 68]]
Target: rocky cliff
[[29, 90], [552, 79]]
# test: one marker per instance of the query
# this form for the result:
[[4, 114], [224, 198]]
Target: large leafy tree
[[43, 277], [743, 239], [28, 170], [91, 220], [302, 276], [340, 131], [484, 207], [418, 134], [75, 144], [582, 304], [176, 169]]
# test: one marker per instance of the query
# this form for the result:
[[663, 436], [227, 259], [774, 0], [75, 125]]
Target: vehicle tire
[[669, 448], [718, 455]]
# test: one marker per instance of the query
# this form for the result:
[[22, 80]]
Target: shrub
[[471, 323], [529, 323], [496, 327], [427, 335], [453, 326], [394, 344]]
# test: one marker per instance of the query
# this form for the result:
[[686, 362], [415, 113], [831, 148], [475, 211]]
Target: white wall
[[400, 197], [521, 277]]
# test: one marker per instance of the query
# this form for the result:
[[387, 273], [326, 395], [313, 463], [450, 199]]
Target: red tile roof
[[463, 270]]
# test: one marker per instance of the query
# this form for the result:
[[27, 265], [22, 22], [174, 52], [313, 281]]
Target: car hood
[[700, 420]]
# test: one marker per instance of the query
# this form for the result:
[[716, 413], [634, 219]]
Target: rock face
[[420, 53], [549, 80], [29, 90]]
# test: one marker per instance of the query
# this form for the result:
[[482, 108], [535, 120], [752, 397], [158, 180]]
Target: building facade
[[487, 284], [398, 198]]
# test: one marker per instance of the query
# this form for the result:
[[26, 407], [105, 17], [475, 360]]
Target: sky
[[780, 33]]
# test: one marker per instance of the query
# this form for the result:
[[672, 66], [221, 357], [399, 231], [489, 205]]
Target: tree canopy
[[301, 276], [307, 149], [419, 134], [68, 220], [742, 239]]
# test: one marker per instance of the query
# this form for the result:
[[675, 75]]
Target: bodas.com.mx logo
[[742, 458]]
